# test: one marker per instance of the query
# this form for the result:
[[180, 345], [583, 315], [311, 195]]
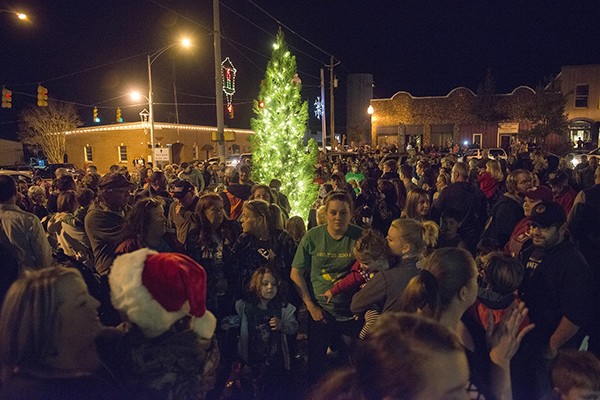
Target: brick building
[[121, 144], [439, 120], [581, 85]]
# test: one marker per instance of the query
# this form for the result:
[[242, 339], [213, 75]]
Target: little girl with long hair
[[266, 319]]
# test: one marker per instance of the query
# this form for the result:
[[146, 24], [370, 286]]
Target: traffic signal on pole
[[6, 98], [119, 118], [96, 117], [42, 96]]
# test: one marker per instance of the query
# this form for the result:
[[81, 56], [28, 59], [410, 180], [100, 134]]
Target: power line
[[181, 15], [85, 70], [270, 34], [328, 54]]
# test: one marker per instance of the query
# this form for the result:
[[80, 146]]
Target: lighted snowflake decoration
[[319, 108]]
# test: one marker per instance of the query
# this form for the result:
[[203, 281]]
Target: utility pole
[[331, 101], [331, 108], [175, 97], [323, 121], [218, 82]]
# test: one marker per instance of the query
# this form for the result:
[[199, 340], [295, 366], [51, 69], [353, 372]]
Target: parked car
[[246, 158], [577, 156], [24, 169], [230, 160], [399, 158], [48, 172], [495, 153], [17, 175]]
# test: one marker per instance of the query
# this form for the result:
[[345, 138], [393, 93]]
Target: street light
[[19, 15], [151, 58]]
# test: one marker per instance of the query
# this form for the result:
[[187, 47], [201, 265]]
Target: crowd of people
[[439, 278]]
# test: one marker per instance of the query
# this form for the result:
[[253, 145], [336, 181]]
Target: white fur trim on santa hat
[[131, 297], [204, 326]]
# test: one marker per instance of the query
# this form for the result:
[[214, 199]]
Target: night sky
[[93, 52]]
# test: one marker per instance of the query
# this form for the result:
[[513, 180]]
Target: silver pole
[[218, 82], [151, 106]]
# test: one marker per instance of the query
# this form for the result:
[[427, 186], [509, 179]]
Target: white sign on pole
[[162, 154]]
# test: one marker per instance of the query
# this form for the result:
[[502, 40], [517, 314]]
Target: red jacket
[[487, 184], [352, 281]]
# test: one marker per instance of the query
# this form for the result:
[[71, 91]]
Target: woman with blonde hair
[[444, 290], [408, 241], [48, 327]]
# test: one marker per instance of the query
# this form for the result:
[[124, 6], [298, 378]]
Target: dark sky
[[93, 52]]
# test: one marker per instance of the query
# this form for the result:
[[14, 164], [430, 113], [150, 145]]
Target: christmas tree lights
[[280, 122]]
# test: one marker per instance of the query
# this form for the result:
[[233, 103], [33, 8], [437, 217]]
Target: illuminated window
[[581, 96], [122, 154], [87, 154]]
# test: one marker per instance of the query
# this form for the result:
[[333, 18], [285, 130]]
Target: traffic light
[[42, 96], [6, 98], [96, 117], [119, 118]]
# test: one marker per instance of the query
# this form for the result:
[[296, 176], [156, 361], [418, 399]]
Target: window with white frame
[[122, 154], [581, 95], [87, 154], [477, 138]]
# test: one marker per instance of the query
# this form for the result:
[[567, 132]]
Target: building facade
[[581, 86], [440, 120], [127, 143]]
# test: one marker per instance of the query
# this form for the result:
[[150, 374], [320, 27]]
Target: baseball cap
[[547, 214], [543, 193], [114, 181], [180, 188]]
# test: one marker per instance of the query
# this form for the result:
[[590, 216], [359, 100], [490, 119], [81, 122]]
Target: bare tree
[[47, 127]]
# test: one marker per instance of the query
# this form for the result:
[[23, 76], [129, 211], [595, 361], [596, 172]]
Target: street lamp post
[[151, 58], [371, 111], [19, 15]]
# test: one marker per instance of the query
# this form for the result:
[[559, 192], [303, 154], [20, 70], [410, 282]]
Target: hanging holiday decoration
[[296, 79], [318, 108], [228, 73]]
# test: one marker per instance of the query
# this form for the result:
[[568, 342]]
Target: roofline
[[157, 125], [452, 91]]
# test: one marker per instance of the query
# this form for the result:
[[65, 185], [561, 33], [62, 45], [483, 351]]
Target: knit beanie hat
[[155, 290]]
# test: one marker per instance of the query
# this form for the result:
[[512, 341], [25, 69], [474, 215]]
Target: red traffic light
[[261, 104]]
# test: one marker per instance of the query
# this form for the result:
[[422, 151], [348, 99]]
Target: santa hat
[[155, 290]]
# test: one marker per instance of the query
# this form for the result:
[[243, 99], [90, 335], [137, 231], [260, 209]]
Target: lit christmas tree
[[280, 123]]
